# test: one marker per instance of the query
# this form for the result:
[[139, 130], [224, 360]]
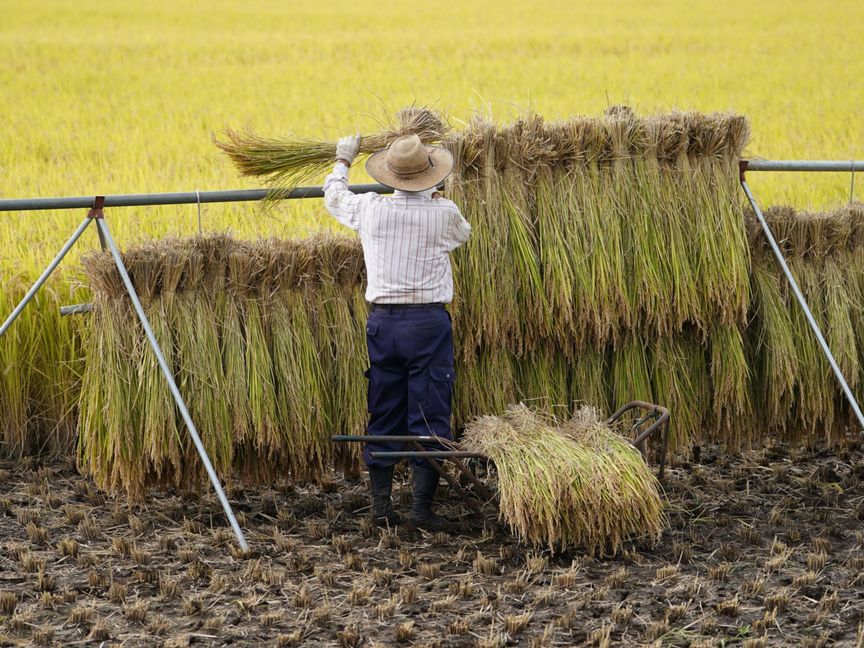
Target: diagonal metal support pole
[[803, 302], [172, 385], [44, 277]]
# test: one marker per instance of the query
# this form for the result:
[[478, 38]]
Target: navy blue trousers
[[410, 376]]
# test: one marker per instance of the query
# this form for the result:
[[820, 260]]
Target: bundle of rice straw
[[266, 343], [794, 388], [290, 162], [567, 484]]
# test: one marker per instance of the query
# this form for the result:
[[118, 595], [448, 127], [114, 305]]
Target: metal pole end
[[742, 169]]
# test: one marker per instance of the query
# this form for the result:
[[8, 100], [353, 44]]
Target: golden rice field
[[121, 97]]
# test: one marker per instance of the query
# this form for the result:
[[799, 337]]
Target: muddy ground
[[761, 549]]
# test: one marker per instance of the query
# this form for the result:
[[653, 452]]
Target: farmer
[[406, 239]]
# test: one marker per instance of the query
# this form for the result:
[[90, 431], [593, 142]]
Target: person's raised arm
[[458, 230], [343, 205]]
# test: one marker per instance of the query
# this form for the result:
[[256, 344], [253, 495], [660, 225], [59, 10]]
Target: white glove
[[348, 148]]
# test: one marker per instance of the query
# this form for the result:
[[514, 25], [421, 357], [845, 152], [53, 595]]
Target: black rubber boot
[[381, 480], [425, 485]]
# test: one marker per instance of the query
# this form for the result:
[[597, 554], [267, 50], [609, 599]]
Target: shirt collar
[[418, 194]]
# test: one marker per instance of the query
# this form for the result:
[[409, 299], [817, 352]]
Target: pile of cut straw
[[290, 162], [567, 484]]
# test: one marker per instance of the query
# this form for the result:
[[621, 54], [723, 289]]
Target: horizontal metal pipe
[[383, 440], [428, 454], [181, 198], [804, 165], [75, 309], [247, 195]]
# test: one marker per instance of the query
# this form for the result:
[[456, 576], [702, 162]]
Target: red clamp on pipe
[[96, 209], [742, 169]]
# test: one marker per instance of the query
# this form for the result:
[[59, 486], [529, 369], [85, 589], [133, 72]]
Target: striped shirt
[[406, 238]]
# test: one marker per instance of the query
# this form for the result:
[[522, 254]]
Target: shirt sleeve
[[459, 230], [342, 204]]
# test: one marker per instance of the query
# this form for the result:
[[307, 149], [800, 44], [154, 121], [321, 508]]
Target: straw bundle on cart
[[570, 483]]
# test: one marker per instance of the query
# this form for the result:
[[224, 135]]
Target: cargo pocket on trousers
[[368, 375], [441, 381]]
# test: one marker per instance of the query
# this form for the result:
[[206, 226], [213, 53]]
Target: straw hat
[[409, 165]]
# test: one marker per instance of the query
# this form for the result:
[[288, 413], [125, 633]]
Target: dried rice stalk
[[290, 162], [773, 358], [568, 484]]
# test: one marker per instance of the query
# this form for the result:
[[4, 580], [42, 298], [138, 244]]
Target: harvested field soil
[[765, 548]]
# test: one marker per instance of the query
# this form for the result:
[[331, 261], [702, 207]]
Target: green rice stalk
[[631, 373], [56, 371], [599, 256], [641, 238], [588, 380], [156, 276], [259, 378], [200, 375], [854, 261], [349, 456], [517, 148], [542, 380], [229, 307], [301, 388], [492, 284], [488, 289], [110, 446], [556, 260], [774, 359], [657, 178], [462, 341], [257, 467], [486, 385], [705, 191], [816, 387], [17, 351], [40, 363], [681, 383], [715, 146], [338, 304], [730, 384], [840, 311]]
